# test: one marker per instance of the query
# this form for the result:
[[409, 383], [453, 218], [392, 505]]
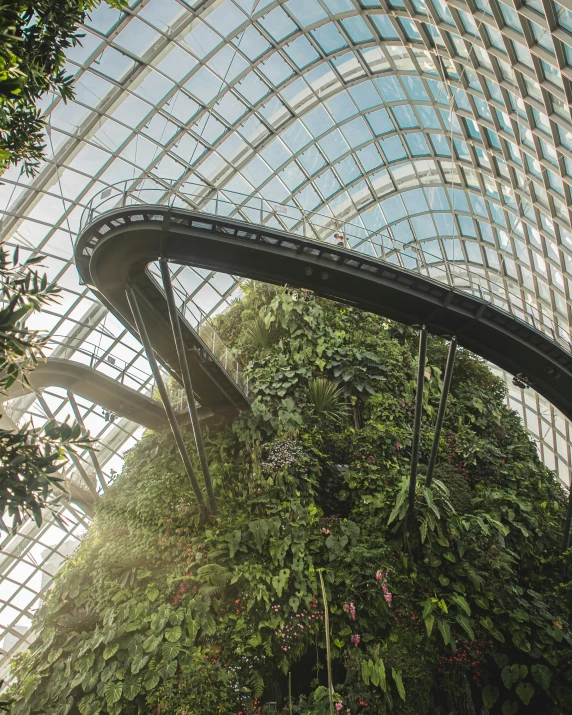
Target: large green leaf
[[90, 705], [152, 680], [170, 650], [490, 696], [259, 530], [138, 662], [151, 643], [398, 682], [279, 582], [525, 692], [173, 634], [462, 603], [131, 690], [110, 650], [445, 630], [113, 692], [167, 668], [465, 624], [90, 680], [542, 674]]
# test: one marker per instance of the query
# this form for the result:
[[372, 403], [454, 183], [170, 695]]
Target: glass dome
[[449, 123]]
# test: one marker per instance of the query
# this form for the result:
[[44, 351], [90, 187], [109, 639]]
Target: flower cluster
[[298, 625], [468, 657], [179, 595], [356, 638], [367, 461], [351, 609], [283, 454], [381, 577]]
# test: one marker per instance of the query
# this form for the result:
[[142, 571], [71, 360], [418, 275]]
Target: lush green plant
[[33, 40], [457, 609], [29, 457], [257, 335], [326, 399]]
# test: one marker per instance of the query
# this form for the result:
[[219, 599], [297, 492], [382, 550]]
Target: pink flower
[[351, 609], [326, 532], [379, 576], [339, 707], [388, 598], [356, 639], [397, 446]]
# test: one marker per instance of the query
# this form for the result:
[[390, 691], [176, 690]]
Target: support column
[[187, 382], [566, 540], [441, 413], [418, 414], [142, 330]]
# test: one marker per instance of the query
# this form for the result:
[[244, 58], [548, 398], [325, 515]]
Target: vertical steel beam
[[187, 382], [441, 413], [142, 330], [417, 418], [568, 523]]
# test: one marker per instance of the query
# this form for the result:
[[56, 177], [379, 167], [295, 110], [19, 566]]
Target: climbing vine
[[458, 608]]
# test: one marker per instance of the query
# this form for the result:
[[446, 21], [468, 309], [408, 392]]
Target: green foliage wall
[[461, 609]]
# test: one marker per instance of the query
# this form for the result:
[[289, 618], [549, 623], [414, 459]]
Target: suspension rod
[[417, 418], [187, 382], [142, 330], [566, 540], [442, 407]]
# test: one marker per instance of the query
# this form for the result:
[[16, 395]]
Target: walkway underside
[[116, 249], [95, 387]]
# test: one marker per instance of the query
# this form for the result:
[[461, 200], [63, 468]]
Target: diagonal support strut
[[142, 330], [417, 418], [441, 413], [187, 382]]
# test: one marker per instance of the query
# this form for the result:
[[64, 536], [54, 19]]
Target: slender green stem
[[328, 653]]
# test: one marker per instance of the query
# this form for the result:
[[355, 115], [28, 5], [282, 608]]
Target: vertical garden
[[462, 607]]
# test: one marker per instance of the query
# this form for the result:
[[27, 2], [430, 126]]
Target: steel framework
[[448, 122]]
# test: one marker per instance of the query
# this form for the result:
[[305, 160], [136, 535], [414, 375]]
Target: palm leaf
[[326, 399], [257, 336]]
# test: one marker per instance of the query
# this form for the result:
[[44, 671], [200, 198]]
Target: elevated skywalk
[[94, 386], [115, 249]]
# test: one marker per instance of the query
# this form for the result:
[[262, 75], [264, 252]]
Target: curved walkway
[[117, 247], [94, 386]]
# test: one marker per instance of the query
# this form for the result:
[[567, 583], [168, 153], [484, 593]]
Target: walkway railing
[[198, 320], [380, 243]]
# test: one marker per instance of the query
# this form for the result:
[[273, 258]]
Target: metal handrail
[[213, 342], [289, 218]]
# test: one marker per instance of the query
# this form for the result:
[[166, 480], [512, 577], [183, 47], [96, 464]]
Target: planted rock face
[[457, 607]]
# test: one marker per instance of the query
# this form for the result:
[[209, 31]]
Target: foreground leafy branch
[[29, 457], [34, 37]]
